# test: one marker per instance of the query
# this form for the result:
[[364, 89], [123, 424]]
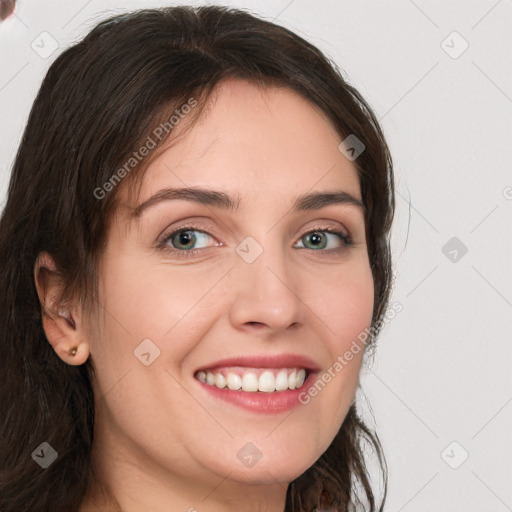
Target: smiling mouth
[[252, 380]]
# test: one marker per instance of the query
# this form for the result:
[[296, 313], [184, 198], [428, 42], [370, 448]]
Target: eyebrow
[[219, 199]]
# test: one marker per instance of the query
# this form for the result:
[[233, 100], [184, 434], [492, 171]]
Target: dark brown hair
[[98, 103]]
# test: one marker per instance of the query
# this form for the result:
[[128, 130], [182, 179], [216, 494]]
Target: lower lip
[[259, 401]]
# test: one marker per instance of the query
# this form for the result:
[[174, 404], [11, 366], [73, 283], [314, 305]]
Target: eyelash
[[347, 241]]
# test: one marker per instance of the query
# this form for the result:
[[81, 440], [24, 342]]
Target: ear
[[62, 324]]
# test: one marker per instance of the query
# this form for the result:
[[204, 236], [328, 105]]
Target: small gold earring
[[73, 351]]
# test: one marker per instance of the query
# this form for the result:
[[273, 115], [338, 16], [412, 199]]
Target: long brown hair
[[98, 103]]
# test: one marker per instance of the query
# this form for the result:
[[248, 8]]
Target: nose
[[267, 293]]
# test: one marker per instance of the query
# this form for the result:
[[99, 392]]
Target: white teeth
[[220, 381], [301, 377], [282, 381], [292, 380], [268, 381], [234, 381], [250, 382]]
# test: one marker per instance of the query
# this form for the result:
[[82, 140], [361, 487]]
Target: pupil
[[315, 238], [185, 238]]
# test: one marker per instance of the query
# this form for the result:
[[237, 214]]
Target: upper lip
[[266, 361]]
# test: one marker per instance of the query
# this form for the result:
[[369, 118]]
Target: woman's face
[[241, 283]]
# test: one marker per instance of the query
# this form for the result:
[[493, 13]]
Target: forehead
[[263, 143]]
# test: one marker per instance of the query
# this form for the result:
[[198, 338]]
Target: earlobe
[[64, 338], [61, 328]]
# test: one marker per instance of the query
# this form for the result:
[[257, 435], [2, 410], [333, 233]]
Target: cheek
[[342, 300], [343, 303], [150, 300]]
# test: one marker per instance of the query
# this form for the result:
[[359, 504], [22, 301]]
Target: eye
[[189, 240], [186, 239], [319, 239]]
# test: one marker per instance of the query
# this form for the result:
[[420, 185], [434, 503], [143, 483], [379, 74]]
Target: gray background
[[441, 372]]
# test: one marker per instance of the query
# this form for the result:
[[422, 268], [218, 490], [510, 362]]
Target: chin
[[269, 471]]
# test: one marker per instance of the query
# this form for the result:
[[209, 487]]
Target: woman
[[195, 236]]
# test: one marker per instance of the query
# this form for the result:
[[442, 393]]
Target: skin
[[162, 443]]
